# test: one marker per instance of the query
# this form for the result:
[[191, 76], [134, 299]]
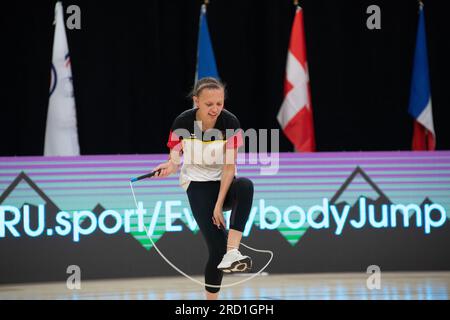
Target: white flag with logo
[[61, 136]]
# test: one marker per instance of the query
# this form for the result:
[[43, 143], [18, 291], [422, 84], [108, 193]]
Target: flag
[[61, 136], [424, 137], [206, 63], [295, 115]]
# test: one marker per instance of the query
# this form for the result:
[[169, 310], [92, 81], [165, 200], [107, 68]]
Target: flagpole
[[420, 3], [424, 135], [206, 63], [296, 5], [426, 130]]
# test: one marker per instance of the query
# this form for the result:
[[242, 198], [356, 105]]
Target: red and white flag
[[295, 115]]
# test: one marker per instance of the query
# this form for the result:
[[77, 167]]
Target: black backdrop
[[133, 64]]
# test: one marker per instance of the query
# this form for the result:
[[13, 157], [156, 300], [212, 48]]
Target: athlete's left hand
[[217, 218]]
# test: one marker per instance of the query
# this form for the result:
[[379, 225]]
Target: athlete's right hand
[[166, 169]]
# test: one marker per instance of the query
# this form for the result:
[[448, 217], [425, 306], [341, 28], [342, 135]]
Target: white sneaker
[[234, 261]]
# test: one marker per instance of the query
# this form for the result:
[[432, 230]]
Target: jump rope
[[149, 175]]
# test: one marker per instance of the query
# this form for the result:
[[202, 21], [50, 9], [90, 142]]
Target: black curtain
[[133, 65]]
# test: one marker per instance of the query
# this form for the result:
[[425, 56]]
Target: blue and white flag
[[61, 135]]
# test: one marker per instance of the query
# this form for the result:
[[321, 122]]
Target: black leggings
[[202, 199]]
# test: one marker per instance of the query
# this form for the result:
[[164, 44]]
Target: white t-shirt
[[204, 151]]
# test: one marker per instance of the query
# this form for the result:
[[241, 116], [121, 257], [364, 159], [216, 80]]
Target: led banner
[[318, 212]]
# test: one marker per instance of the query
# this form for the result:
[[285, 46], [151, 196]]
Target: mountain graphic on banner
[[357, 184]]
